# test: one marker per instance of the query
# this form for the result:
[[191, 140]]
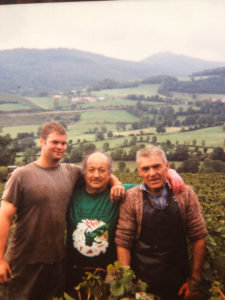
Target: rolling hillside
[[37, 72]]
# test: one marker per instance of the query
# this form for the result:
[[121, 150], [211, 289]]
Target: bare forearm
[[198, 252], [123, 255], [7, 212], [4, 234], [114, 180]]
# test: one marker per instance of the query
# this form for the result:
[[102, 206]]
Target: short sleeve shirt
[[91, 224], [41, 196]]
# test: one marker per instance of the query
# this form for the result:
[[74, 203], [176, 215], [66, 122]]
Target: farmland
[[120, 114]]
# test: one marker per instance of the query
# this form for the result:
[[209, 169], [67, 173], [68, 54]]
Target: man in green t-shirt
[[92, 219]]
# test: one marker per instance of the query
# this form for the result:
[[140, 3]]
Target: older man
[[92, 220], [152, 229]]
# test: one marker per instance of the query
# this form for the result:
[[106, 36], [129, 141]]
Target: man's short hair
[[84, 162], [148, 151], [52, 127]]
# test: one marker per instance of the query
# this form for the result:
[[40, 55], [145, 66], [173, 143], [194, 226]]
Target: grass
[[14, 130], [213, 137], [107, 116], [43, 102], [142, 89], [13, 106]]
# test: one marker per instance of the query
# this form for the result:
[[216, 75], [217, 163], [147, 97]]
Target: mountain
[[33, 71], [36, 72], [178, 65]]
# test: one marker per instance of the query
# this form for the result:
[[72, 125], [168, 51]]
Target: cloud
[[122, 29]]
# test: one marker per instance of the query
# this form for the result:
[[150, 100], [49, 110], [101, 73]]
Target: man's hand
[[190, 290], [175, 182], [4, 271], [117, 192]]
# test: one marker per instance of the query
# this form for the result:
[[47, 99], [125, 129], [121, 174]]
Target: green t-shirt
[[91, 225]]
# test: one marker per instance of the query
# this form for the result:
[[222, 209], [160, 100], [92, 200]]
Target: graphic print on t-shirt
[[90, 237]]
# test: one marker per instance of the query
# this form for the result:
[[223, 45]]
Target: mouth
[[58, 153], [96, 181], [154, 180]]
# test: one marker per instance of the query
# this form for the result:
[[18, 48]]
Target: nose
[[151, 172], [96, 173], [60, 146]]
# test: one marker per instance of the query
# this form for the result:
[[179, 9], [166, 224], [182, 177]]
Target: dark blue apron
[[160, 256]]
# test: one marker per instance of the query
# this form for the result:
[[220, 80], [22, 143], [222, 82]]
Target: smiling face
[[97, 173], [53, 148], [153, 170]]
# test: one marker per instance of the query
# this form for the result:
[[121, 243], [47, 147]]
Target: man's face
[[153, 171], [97, 173], [54, 147]]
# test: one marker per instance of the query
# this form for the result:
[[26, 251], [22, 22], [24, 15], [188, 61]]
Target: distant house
[[56, 96], [222, 100]]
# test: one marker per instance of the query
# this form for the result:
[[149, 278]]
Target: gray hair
[[84, 162], [148, 151]]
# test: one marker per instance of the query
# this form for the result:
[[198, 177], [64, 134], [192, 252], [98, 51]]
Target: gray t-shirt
[[41, 196]]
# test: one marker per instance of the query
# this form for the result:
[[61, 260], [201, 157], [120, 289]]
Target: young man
[[38, 194], [91, 221], [152, 229]]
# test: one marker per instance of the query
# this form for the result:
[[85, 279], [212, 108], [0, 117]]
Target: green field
[[13, 106], [50, 103], [43, 102], [213, 136], [142, 89], [107, 116], [14, 130]]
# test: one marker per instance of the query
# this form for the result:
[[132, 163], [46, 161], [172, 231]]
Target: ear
[[167, 165], [42, 141], [139, 171]]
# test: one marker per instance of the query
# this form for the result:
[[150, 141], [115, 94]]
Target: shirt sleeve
[[13, 189], [126, 226], [195, 223], [128, 186]]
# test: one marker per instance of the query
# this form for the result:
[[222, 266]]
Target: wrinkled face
[[97, 173], [153, 170], [54, 147]]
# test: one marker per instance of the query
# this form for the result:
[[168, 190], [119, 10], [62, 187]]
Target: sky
[[124, 29]]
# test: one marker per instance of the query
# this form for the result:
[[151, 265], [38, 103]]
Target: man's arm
[[175, 182], [198, 253], [123, 255], [117, 191], [7, 212], [190, 289]]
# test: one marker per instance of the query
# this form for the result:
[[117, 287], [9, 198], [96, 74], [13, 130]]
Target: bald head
[[97, 170]]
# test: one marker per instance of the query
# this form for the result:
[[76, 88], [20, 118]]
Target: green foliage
[[119, 283], [218, 154], [212, 166], [3, 173], [122, 281], [8, 149], [93, 284], [216, 291], [190, 165]]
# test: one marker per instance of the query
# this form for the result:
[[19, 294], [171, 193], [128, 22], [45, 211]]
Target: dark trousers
[[35, 282]]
